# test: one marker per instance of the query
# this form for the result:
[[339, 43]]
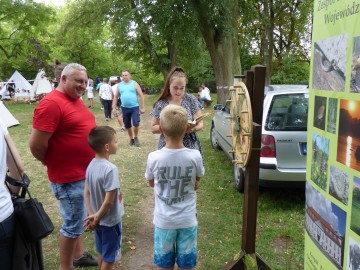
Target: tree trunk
[[172, 53], [226, 63], [267, 52], [222, 45]]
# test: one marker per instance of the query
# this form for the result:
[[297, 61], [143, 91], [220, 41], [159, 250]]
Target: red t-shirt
[[70, 122]]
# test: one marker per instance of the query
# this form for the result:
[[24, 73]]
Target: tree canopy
[[213, 40], [23, 30]]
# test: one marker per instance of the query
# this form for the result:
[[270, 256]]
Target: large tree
[[276, 29], [23, 34], [218, 21], [83, 36], [157, 31], [153, 33]]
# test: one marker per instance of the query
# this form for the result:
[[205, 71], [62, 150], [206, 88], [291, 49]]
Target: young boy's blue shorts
[[178, 245], [108, 242]]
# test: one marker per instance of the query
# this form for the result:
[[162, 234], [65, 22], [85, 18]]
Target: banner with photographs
[[332, 208]]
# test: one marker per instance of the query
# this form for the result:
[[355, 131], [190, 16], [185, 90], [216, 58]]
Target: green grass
[[280, 229]]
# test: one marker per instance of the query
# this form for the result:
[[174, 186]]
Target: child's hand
[[87, 225], [197, 183], [91, 222]]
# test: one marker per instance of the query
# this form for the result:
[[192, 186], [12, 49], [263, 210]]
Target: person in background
[[59, 67], [204, 95], [198, 96], [7, 222], [132, 104], [90, 92], [61, 124], [174, 172], [98, 89], [106, 95], [103, 197], [99, 84], [118, 114], [174, 92]]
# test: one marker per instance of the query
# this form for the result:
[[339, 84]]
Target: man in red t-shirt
[[61, 124]]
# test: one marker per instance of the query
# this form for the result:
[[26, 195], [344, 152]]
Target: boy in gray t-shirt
[[174, 172], [103, 197]]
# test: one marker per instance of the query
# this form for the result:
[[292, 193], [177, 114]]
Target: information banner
[[332, 208]]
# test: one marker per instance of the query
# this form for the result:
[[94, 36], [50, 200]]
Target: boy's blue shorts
[[178, 245], [108, 242]]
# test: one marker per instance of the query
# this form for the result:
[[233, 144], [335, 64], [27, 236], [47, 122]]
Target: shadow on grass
[[282, 198]]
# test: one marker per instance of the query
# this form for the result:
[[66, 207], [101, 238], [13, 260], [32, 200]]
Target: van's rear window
[[288, 113]]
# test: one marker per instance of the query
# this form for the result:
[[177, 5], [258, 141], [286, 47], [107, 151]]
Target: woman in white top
[[106, 95], [7, 228]]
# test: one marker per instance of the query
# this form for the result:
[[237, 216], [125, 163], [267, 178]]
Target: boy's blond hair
[[173, 120]]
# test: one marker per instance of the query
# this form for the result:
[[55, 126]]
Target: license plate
[[303, 148]]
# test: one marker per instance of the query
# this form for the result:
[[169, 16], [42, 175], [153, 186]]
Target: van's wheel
[[239, 178]]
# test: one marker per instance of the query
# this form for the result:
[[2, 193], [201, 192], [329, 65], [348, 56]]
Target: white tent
[[41, 85], [22, 86], [6, 117]]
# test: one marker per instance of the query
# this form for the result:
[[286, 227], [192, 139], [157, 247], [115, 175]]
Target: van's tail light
[[267, 146]]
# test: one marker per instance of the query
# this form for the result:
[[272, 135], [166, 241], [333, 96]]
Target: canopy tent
[[22, 86], [6, 117], [40, 86]]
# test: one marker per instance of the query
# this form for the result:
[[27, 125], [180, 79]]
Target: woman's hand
[[191, 128]]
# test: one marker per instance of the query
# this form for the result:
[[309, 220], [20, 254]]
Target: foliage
[[319, 170], [356, 194], [83, 37], [291, 71], [292, 33], [272, 30], [23, 36], [143, 34], [355, 217], [247, 58], [207, 38]]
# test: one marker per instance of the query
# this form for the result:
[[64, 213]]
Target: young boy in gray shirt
[[103, 197]]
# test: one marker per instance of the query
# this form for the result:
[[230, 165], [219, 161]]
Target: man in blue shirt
[[132, 105]]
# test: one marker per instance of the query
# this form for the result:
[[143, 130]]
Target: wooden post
[[257, 92], [255, 83]]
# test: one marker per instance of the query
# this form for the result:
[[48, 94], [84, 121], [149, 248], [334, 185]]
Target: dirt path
[[140, 256]]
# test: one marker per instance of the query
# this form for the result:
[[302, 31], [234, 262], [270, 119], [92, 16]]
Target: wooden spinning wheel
[[241, 124]]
